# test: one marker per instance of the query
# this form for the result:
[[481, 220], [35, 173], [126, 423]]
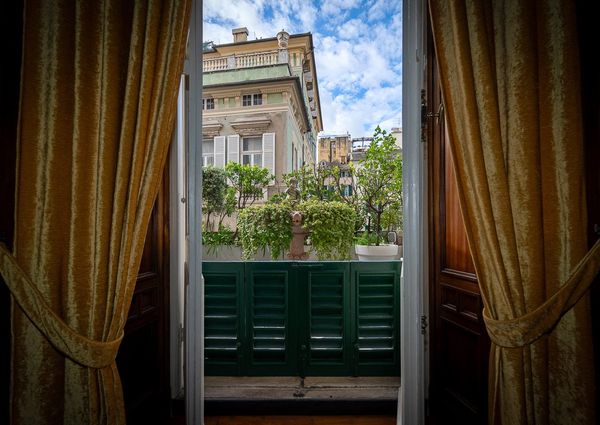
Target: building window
[[252, 151], [208, 152], [347, 191], [252, 99], [208, 103]]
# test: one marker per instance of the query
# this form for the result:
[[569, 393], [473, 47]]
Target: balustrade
[[249, 60]]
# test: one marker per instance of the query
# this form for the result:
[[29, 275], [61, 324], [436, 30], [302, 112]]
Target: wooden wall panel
[[143, 358], [456, 253]]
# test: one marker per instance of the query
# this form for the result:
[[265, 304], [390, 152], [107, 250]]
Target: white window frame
[[210, 154], [252, 99], [411, 397], [414, 277], [208, 103], [252, 153]]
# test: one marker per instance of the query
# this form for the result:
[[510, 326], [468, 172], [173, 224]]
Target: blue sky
[[358, 51]]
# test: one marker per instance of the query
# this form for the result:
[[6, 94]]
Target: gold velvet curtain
[[98, 97], [511, 86]]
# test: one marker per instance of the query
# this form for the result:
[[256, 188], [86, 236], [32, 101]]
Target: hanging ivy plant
[[265, 226], [331, 227]]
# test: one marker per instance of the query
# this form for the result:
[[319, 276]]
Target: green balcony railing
[[302, 318]]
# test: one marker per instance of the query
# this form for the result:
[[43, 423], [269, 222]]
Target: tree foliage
[[214, 191], [379, 181], [248, 181]]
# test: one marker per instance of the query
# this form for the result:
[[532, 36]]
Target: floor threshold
[[311, 395]]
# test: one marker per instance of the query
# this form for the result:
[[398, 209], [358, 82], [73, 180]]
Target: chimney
[[240, 34]]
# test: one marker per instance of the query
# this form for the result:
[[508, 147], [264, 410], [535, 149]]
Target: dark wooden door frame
[[147, 330], [458, 342]]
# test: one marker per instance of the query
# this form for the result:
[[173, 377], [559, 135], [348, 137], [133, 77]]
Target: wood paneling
[[455, 250], [459, 345], [143, 356]]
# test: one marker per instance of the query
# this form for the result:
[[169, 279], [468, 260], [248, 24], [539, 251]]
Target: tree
[[214, 191], [312, 183], [249, 182], [379, 181]]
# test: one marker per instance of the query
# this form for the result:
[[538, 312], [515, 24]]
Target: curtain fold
[[511, 87], [98, 101]]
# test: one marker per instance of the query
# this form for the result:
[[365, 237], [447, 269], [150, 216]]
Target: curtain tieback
[[530, 327], [80, 349]]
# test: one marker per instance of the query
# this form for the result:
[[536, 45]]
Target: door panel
[[459, 345], [143, 359]]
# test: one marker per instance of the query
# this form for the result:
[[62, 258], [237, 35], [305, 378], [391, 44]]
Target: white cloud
[[221, 17], [358, 50], [336, 10]]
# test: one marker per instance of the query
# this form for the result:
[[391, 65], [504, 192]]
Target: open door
[[459, 344], [143, 358]]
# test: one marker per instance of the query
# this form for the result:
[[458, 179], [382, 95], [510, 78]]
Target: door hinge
[[428, 115], [424, 325]]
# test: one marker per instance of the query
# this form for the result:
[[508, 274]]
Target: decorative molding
[[211, 128], [247, 126]]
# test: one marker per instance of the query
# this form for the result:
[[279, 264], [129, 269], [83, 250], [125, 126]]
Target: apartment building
[[334, 148], [261, 102]]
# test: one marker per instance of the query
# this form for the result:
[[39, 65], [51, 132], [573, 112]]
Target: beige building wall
[[334, 149], [261, 89]]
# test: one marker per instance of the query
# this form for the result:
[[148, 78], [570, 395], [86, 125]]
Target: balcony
[[334, 318], [250, 60]]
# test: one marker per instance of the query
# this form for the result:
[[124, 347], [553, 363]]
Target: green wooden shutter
[[223, 310], [272, 350], [377, 294], [325, 349]]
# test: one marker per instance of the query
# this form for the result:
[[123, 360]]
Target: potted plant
[[379, 187], [330, 226]]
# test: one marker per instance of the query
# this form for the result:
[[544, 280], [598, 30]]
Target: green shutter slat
[[377, 321], [328, 303], [269, 319], [222, 312]]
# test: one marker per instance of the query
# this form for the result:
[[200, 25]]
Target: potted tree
[[379, 186]]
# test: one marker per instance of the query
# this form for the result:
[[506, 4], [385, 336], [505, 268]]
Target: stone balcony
[[247, 60]]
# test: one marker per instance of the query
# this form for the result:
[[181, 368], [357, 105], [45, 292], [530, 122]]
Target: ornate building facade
[[261, 102]]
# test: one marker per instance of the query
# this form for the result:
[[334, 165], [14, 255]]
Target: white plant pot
[[376, 253]]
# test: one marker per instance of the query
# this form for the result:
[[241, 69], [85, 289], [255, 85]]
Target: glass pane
[[246, 159], [256, 144], [258, 159], [208, 146], [252, 144]]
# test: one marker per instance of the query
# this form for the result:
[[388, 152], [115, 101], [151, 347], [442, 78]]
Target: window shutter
[[219, 151], [268, 147], [233, 148]]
